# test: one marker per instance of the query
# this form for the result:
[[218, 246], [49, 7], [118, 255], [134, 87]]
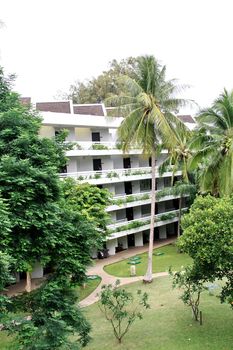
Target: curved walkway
[[98, 269]]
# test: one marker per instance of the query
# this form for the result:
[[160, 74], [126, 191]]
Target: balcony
[[124, 227], [88, 148], [115, 175], [137, 199]]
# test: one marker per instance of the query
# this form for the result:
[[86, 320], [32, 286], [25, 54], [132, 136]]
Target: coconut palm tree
[[149, 121], [213, 147]]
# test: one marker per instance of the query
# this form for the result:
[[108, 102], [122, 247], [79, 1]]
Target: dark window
[[129, 213], [145, 185], [127, 163], [128, 188], [95, 136], [97, 165]]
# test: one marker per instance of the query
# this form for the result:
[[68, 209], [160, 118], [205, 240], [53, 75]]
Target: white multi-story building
[[97, 159]]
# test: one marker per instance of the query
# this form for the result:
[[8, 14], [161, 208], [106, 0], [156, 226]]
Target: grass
[[168, 324], [160, 263], [91, 285]]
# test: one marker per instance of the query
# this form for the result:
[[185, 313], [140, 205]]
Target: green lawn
[[160, 263], [91, 285], [168, 325]]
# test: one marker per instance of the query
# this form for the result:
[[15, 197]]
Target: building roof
[[56, 106], [25, 100], [89, 109], [186, 118]]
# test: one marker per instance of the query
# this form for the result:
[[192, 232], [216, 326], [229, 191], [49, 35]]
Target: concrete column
[[38, 271], [111, 246], [138, 239], [163, 232], [136, 187], [124, 241], [137, 213], [72, 166], [71, 136]]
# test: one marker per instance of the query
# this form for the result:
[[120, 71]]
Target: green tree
[[213, 147], [148, 105], [6, 264], [208, 239], [121, 309], [88, 200], [192, 289], [107, 84]]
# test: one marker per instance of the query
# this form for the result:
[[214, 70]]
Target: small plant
[[80, 178], [112, 174], [121, 308], [77, 146], [166, 216], [192, 289], [97, 176], [99, 146]]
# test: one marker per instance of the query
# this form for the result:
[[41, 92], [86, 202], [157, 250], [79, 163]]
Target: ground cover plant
[[161, 263]]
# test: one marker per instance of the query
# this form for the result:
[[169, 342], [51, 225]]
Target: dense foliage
[[88, 200], [105, 85], [213, 147], [38, 226], [208, 239]]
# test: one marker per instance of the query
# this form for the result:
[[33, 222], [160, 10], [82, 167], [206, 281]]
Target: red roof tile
[[57, 106], [94, 109]]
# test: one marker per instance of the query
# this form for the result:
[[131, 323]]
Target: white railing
[[99, 145], [124, 196], [145, 219], [93, 145], [110, 173]]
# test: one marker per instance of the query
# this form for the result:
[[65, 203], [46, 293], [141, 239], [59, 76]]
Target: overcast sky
[[51, 43]]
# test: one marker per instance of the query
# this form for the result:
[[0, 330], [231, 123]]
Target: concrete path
[[98, 269]]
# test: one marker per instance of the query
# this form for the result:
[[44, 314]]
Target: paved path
[[98, 269]]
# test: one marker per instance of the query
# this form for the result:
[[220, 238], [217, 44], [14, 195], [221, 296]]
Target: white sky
[[51, 43]]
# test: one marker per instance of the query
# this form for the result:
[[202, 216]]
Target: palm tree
[[178, 156], [213, 147], [149, 121]]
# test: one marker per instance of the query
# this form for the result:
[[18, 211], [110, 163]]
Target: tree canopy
[[104, 86], [208, 239]]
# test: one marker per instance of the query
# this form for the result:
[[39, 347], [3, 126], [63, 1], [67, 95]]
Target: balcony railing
[[89, 145], [122, 226], [98, 145], [107, 174]]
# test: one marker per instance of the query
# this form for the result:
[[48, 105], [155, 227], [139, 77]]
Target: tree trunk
[[148, 276], [28, 287], [179, 217]]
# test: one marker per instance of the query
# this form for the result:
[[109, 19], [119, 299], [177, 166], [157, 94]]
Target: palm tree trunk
[[148, 276], [179, 217], [28, 287]]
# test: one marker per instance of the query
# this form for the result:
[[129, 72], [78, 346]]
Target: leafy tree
[[192, 289], [149, 104], [42, 228], [55, 322], [121, 309], [107, 84], [88, 200], [213, 147], [208, 239], [6, 278]]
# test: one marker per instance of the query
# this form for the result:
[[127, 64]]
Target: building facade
[[96, 158]]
